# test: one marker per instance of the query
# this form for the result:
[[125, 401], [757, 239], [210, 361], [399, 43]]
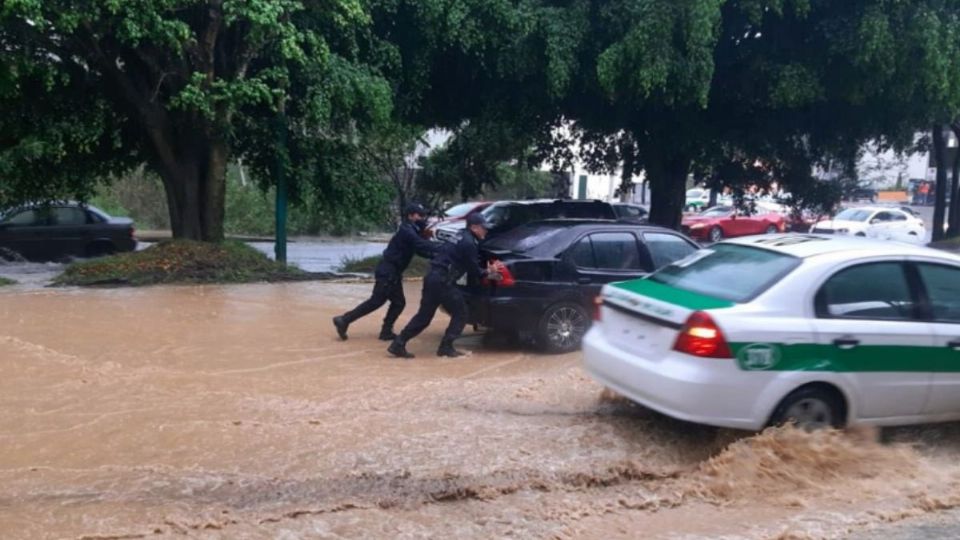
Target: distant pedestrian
[[440, 289], [389, 274]]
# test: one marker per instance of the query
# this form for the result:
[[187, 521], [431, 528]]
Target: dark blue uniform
[[389, 275], [439, 289]]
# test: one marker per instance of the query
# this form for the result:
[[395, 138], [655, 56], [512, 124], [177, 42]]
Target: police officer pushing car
[[440, 289], [389, 274]]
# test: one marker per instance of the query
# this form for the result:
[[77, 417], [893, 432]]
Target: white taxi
[[821, 330], [879, 222]]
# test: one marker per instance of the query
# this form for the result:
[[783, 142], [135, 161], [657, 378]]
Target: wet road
[[232, 412]]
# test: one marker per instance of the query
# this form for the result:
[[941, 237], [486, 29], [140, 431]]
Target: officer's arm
[[421, 246], [470, 259]]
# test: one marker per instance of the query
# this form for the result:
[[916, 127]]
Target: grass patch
[[5, 281], [418, 266], [180, 261]]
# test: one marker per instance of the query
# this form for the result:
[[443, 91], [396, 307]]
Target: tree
[[702, 86], [93, 87]]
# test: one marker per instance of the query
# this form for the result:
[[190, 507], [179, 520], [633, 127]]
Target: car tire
[[772, 229], [860, 234], [100, 249], [562, 327], [810, 408], [715, 234]]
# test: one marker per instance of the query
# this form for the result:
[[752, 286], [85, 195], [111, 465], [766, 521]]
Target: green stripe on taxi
[[862, 359], [672, 295]]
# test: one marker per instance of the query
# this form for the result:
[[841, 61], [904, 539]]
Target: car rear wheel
[[716, 234], [562, 327], [810, 408], [772, 229]]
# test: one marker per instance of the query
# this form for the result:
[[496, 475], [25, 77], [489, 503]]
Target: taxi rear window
[[728, 271]]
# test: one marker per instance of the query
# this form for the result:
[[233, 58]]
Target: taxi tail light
[[701, 336], [597, 305]]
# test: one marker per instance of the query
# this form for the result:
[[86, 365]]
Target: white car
[[875, 222], [823, 330]]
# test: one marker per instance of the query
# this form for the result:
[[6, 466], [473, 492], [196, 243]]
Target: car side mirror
[[874, 221]]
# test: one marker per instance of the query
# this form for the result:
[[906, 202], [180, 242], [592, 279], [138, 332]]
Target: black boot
[[446, 349], [342, 326], [386, 334], [399, 349]]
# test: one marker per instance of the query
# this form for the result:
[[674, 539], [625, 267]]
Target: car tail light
[[133, 232], [507, 277], [700, 336], [597, 305]]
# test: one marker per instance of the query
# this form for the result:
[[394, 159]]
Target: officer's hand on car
[[494, 271]]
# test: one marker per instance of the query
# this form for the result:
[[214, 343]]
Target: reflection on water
[[233, 412]]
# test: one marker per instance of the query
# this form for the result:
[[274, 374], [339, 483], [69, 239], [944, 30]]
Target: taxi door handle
[[584, 280], [846, 343], [955, 344]]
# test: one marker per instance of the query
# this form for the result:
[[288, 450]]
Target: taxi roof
[[811, 245]]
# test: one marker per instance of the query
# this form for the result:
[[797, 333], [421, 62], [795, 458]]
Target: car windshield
[[718, 211], [728, 271], [459, 210], [854, 214], [535, 239]]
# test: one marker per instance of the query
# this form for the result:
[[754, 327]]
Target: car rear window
[[535, 240], [728, 271]]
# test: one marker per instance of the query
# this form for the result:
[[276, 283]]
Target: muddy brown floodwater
[[232, 412]]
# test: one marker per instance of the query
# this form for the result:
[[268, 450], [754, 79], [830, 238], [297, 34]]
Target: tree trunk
[[213, 188], [194, 177], [940, 157], [629, 168], [668, 183], [954, 212]]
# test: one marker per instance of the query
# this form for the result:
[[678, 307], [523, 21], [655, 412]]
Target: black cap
[[477, 219], [415, 208]]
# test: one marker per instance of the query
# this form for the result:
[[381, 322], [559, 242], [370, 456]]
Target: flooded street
[[232, 412]]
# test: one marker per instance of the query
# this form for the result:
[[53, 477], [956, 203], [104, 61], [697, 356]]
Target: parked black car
[[57, 231], [504, 216], [554, 271]]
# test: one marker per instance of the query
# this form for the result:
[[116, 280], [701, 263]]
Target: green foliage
[[4, 281], [180, 261], [92, 89], [250, 209]]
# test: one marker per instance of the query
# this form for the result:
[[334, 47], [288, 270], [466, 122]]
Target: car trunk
[[523, 276], [644, 336]]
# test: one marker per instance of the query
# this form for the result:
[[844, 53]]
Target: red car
[[458, 212], [722, 222]]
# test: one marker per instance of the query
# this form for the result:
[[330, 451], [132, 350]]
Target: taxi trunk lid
[[644, 317]]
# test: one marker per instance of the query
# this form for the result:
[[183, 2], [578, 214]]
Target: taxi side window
[[868, 291], [943, 290]]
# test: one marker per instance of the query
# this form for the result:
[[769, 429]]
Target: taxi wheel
[[810, 408], [562, 327], [772, 229], [716, 234]]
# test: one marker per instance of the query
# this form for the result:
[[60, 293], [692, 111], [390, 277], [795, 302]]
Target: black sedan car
[[554, 271], [62, 230]]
